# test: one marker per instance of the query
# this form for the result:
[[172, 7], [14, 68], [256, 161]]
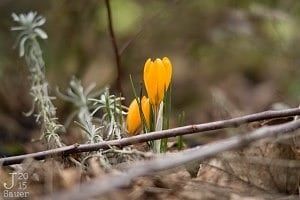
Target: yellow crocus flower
[[133, 120], [157, 77]]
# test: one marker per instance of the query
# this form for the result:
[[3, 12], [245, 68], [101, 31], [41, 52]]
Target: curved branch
[[184, 130], [102, 185]]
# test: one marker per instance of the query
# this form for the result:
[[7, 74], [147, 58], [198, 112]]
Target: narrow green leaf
[[180, 143]]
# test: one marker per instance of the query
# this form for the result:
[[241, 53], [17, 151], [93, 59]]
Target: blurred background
[[230, 57]]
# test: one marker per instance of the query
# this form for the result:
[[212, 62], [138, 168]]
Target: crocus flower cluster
[[157, 78]]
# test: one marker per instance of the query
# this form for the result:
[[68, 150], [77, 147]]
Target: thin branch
[[190, 129], [102, 185], [146, 24], [115, 46]]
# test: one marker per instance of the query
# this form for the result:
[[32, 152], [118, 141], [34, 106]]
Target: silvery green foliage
[[29, 27], [107, 125], [110, 125], [78, 95], [113, 113], [28, 33]]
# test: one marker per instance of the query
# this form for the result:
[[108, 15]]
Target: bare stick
[[184, 130], [102, 185], [147, 23], [115, 46]]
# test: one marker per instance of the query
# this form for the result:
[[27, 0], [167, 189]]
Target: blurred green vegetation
[[248, 51]]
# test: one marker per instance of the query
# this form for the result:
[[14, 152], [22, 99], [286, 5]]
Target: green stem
[[179, 138], [166, 118]]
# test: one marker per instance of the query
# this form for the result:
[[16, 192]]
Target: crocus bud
[[157, 77], [134, 121]]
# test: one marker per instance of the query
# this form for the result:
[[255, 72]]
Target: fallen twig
[[190, 129], [105, 184]]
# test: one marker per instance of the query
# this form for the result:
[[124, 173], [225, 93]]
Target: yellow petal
[[150, 72], [168, 71], [133, 120], [146, 109], [160, 80], [146, 74], [157, 78], [146, 67]]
